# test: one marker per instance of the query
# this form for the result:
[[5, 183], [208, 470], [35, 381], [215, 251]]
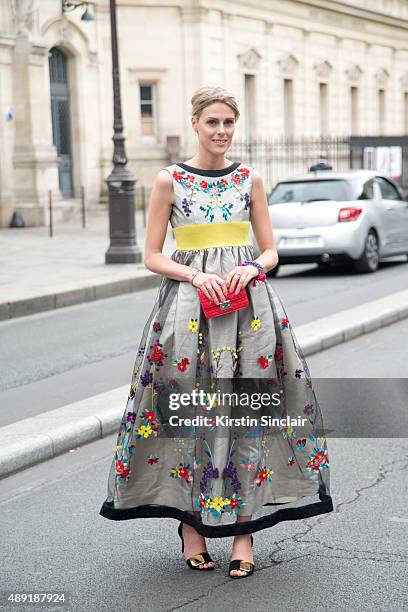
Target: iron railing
[[283, 157]]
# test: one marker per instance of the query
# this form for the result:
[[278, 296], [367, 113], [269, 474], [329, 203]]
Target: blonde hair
[[208, 95]]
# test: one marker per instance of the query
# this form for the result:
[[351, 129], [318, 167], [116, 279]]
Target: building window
[[148, 112], [288, 107], [250, 115], [354, 123], [381, 111], [323, 109]]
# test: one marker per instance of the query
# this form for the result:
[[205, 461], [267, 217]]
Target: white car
[[328, 217]]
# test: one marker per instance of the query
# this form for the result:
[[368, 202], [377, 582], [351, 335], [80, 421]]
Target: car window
[[388, 191], [311, 191], [365, 191]]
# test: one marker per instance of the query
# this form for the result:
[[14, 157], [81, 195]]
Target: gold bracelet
[[194, 275]]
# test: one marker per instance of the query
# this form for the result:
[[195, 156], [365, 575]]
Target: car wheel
[[370, 258], [273, 272]]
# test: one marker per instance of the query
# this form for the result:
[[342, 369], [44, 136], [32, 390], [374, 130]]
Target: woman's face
[[215, 128]]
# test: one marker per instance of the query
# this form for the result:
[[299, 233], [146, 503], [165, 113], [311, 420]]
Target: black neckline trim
[[201, 172]]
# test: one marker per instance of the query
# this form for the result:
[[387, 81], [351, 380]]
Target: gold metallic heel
[[197, 560]]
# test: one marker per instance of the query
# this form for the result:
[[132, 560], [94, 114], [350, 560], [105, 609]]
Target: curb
[[70, 297], [49, 434]]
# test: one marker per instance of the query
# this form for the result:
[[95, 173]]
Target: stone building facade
[[297, 67]]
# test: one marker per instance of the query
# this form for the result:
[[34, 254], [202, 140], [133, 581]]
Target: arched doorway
[[61, 117]]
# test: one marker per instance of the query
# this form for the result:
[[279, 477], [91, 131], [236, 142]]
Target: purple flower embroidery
[[146, 378], [231, 472], [209, 471]]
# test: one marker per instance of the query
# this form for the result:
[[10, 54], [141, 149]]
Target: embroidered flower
[[298, 373], [300, 444], [193, 325], [145, 431], [231, 472], [209, 471], [122, 469], [249, 465], [308, 409], [285, 323], [264, 361], [256, 323], [264, 474], [317, 460], [182, 363], [151, 459], [217, 505], [185, 204], [146, 378], [157, 355], [156, 326], [131, 416], [182, 471], [291, 460]]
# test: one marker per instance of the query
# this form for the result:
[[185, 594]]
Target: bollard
[[50, 211]]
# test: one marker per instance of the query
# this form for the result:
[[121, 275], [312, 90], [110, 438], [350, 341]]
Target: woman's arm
[[261, 224], [160, 203]]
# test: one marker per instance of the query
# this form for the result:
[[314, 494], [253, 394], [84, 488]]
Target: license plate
[[299, 240]]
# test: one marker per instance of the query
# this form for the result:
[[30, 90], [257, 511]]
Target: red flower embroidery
[[183, 364], [204, 184], [264, 362], [284, 323], [244, 172], [157, 353], [177, 175], [121, 469]]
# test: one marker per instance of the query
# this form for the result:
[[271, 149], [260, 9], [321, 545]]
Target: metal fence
[[280, 158]]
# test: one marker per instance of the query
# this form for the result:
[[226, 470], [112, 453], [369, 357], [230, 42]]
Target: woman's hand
[[212, 285], [239, 277]]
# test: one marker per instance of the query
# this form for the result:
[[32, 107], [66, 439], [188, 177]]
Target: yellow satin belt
[[206, 235]]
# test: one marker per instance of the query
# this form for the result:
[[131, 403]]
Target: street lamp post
[[123, 246]]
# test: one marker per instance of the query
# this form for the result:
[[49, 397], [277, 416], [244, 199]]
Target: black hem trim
[[323, 506], [201, 172]]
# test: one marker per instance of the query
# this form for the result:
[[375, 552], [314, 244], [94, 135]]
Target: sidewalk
[[39, 438], [39, 273]]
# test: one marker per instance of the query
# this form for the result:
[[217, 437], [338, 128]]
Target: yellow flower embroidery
[[218, 503], [256, 323], [193, 325], [145, 431]]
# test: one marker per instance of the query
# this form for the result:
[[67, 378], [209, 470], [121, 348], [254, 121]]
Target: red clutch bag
[[233, 302]]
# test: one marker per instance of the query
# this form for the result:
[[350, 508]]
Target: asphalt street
[[355, 558], [62, 356]]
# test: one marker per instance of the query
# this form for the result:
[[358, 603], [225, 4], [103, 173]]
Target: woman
[[218, 477]]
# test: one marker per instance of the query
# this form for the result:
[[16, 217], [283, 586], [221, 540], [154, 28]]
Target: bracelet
[[194, 275], [261, 273], [252, 263]]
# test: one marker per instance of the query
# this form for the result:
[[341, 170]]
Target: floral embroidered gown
[[163, 468]]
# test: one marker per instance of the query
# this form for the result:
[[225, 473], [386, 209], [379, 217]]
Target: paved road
[[353, 559], [54, 358]]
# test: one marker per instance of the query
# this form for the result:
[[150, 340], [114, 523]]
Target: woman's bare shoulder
[[163, 180]]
